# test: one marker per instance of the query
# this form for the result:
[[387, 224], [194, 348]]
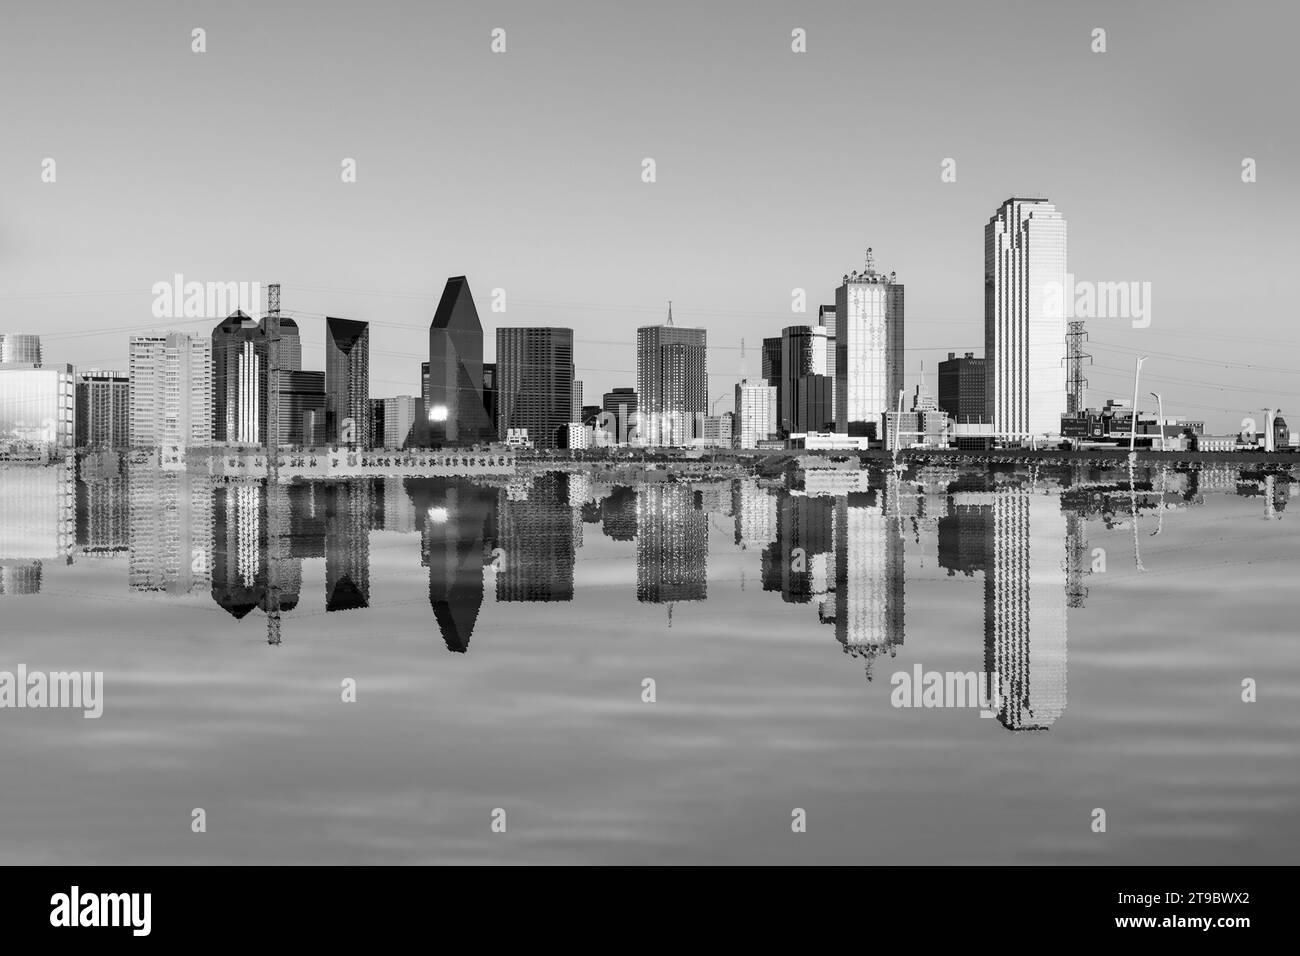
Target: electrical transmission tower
[[1075, 383]]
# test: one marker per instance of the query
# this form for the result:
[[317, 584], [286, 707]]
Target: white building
[[171, 390], [1024, 319], [868, 350], [37, 407], [755, 412], [399, 420]]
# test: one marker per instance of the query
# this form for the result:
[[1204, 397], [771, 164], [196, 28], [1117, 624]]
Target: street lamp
[[1160, 422], [1133, 428]]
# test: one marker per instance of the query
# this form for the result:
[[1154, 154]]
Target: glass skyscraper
[[672, 383], [534, 377], [455, 410], [1024, 325], [347, 382]]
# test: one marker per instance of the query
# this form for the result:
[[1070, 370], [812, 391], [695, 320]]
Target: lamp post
[[1133, 427], [1160, 422]]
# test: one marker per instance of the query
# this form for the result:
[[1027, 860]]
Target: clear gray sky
[[775, 170]]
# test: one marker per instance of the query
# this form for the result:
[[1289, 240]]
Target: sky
[[775, 171]]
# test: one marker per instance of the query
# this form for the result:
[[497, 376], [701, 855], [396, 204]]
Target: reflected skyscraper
[[803, 535], [347, 544], [1025, 607], [103, 506], [171, 530], [37, 522], [755, 514], [536, 540], [869, 569], [618, 514], [457, 535], [672, 545], [239, 547]]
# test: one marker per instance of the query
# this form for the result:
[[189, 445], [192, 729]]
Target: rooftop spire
[[871, 262], [670, 311]]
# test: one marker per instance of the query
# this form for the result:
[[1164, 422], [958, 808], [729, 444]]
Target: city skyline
[[737, 264]]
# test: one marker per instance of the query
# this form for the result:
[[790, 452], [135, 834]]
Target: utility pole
[[1160, 421], [1133, 427]]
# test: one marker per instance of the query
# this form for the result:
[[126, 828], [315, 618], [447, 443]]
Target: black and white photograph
[[678, 434]]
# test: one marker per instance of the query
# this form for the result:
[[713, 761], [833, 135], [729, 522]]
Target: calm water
[[499, 634]]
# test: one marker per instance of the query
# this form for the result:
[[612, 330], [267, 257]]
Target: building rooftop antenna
[[670, 311]]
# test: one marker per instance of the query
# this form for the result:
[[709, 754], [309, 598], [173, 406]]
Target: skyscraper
[[803, 402], [399, 421], [455, 410], [171, 390], [826, 319], [755, 412], [961, 387], [1024, 319], [671, 382], [868, 350], [347, 381], [619, 407], [302, 408], [238, 378], [36, 407], [535, 382], [103, 414], [20, 349]]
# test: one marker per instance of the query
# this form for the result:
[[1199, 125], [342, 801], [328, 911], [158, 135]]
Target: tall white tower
[[868, 350], [1024, 319]]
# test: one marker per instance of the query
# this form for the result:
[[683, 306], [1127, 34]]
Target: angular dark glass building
[[535, 383], [347, 381], [454, 408]]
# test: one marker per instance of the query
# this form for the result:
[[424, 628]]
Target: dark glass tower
[[454, 408], [534, 381], [347, 381]]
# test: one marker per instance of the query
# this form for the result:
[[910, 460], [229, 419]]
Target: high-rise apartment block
[[171, 390], [103, 410]]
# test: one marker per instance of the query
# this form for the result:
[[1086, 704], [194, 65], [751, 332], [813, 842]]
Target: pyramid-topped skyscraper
[[454, 409]]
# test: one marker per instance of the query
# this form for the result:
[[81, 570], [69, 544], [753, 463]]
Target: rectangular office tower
[[534, 380], [171, 390], [868, 350], [347, 382], [1024, 319], [455, 411], [672, 383], [302, 409], [962, 389], [803, 402], [103, 414]]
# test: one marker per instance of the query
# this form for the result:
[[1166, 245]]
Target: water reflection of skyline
[[838, 541]]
